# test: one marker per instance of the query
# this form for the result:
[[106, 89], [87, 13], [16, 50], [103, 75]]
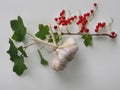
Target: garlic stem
[[53, 37], [45, 43], [41, 41]]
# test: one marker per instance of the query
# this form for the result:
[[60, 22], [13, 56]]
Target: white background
[[93, 68]]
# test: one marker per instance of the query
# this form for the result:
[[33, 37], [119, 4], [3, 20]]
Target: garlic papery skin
[[65, 54]]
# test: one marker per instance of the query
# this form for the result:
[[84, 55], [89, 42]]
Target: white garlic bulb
[[66, 52]]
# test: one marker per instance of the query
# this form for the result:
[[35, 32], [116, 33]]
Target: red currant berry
[[92, 11], [88, 14], [113, 35], [55, 27], [63, 17], [99, 24], [75, 17], [78, 22], [56, 19], [81, 31], [85, 15], [96, 30], [60, 22], [83, 28], [62, 13], [81, 17], [97, 27], [103, 24], [68, 20], [87, 30], [72, 18], [59, 18], [63, 24], [84, 23], [95, 4]]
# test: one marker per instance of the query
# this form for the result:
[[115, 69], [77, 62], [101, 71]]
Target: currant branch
[[112, 35]]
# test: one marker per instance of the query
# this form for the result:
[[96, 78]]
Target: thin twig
[[110, 24], [67, 29], [69, 13], [79, 13]]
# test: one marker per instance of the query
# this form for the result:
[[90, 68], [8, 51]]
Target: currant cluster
[[81, 21], [63, 20], [99, 26]]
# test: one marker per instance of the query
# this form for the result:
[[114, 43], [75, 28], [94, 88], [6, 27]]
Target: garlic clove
[[56, 65], [65, 52], [68, 42]]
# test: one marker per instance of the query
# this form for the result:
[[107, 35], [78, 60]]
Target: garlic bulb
[[65, 52]]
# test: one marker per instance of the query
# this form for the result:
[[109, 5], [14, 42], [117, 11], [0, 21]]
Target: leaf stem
[[26, 46], [31, 35]]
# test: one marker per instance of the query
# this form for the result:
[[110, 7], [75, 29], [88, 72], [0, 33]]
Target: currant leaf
[[19, 66], [22, 51], [43, 61], [87, 40], [43, 31], [12, 50], [19, 29], [57, 38], [17, 57]]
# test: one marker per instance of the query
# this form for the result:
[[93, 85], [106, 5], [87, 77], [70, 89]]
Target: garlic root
[[65, 52]]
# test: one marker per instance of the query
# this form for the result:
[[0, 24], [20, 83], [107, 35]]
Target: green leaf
[[12, 50], [14, 24], [57, 38], [87, 39], [19, 29], [43, 31], [50, 39], [22, 51], [19, 66], [17, 56], [43, 61]]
